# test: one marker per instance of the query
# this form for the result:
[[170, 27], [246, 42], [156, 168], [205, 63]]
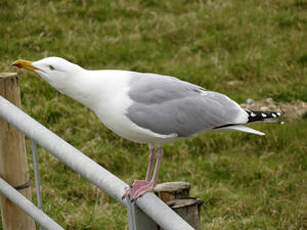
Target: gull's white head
[[55, 70]]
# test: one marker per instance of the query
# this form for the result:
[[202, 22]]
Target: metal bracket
[[137, 219]]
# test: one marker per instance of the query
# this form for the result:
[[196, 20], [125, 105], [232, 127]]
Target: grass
[[247, 182]]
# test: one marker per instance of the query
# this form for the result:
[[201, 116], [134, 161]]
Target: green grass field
[[246, 181]]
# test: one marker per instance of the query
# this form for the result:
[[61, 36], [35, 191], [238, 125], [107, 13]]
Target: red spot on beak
[[18, 65]]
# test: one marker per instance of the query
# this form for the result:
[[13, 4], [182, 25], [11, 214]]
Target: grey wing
[[148, 88], [167, 105]]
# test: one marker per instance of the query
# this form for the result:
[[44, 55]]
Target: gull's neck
[[96, 87]]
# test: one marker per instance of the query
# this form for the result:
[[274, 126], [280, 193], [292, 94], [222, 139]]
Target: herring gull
[[146, 108]]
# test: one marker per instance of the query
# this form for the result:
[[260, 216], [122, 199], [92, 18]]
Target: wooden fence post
[[176, 196], [13, 160]]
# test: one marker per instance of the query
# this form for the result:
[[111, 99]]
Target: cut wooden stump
[[176, 196]]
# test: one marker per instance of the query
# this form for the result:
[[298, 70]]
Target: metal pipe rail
[[27, 206], [93, 172]]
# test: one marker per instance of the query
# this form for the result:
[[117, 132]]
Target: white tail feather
[[242, 129]]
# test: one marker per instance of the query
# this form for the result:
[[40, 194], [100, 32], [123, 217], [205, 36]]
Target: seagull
[[146, 108]]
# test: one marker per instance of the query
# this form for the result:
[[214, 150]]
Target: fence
[[145, 213]]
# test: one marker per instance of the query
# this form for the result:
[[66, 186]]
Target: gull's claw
[[142, 190], [126, 193], [139, 188]]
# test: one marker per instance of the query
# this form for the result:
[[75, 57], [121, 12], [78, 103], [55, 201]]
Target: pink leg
[[140, 183], [150, 163], [140, 187], [157, 168], [150, 186]]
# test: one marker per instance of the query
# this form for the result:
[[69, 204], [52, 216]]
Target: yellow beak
[[24, 64]]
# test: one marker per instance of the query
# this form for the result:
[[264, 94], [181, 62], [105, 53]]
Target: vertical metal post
[[131, 211], [37, 180], [36, 176], [137, 219]]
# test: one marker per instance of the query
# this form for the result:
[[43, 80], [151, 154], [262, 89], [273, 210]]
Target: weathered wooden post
[[176, 196], [13, 160]]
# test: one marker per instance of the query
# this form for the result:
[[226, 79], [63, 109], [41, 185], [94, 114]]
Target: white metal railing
[[27, 206], [148, 208]]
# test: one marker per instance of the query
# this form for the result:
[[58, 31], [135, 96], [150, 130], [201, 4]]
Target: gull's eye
[[51, 67]]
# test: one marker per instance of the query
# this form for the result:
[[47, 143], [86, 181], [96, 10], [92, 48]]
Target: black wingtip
[[254, 116]]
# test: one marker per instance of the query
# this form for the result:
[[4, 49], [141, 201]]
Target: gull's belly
[[122, 126]]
